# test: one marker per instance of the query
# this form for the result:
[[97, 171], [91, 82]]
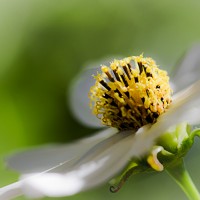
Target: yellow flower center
[[130, 93]]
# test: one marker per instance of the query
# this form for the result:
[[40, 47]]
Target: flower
[[157, 127]]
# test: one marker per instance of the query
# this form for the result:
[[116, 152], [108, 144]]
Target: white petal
[[45, 157], [53, 185], [187, 103], [78, 95], [11, 191], [187, 70], [79, 100], [95, 167]]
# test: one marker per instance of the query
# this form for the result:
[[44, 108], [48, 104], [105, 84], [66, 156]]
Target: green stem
[[182, 178]]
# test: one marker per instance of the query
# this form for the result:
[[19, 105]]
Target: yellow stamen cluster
[[130, 93]]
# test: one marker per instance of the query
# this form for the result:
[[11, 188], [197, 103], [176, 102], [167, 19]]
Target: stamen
[[149, 74], [130, 97], [124, 80], [140, 67], [105, 85], [105, 70], [129, 66], [126, 71], [136, 79], [116, 74]]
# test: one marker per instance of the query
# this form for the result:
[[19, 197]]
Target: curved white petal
[[188, 69], [98, 165], [186, 106], [11, 191], [45, 157], [79, 101], [78, 94]]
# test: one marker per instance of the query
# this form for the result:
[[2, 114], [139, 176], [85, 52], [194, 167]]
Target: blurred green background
[[44, 44]]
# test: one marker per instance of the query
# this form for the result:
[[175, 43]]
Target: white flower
[[63, 170]]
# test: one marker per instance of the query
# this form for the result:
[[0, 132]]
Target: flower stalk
[[179, 173]]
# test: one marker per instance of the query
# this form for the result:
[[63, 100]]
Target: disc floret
[[130, 93]]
